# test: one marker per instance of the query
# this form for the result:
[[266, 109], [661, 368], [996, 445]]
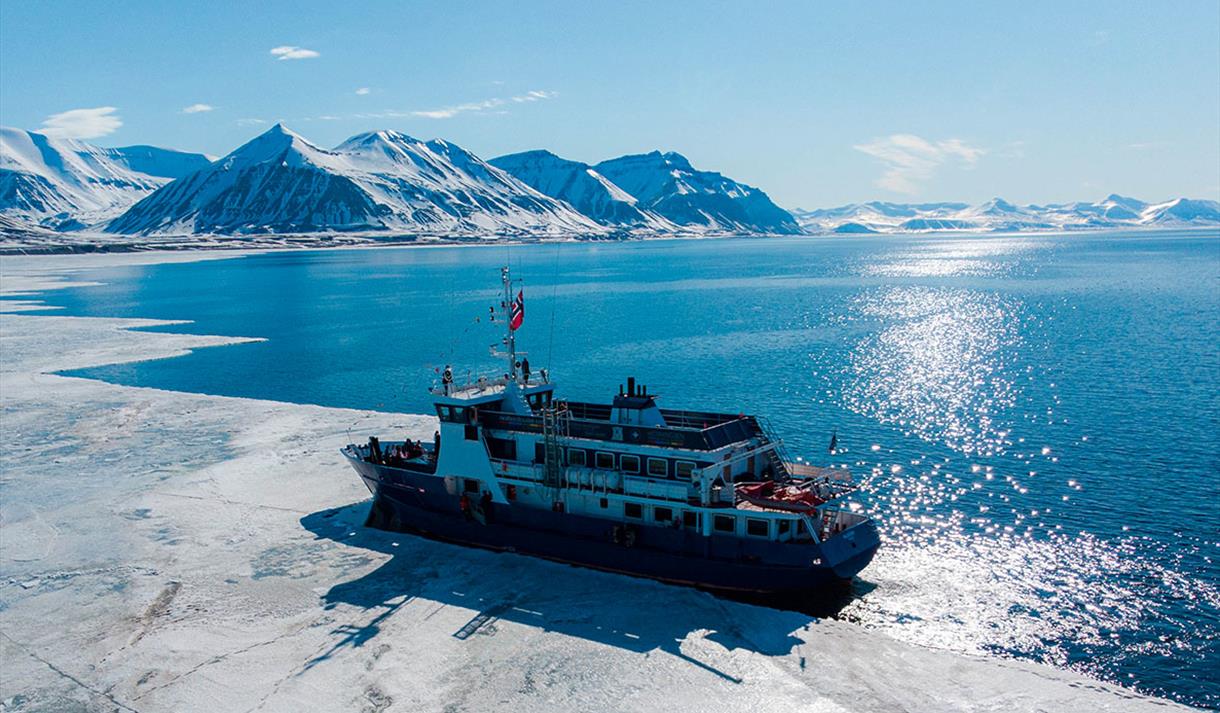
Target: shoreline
[[199, 552], [49, 243]]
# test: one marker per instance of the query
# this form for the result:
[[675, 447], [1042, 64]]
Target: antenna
[[550, 347]]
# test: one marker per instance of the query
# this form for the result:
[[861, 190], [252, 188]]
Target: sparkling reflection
[[937, 368]]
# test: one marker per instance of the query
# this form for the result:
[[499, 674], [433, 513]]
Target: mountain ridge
[[66, 184], [1000, 216], [580, 185], [385, 181], [279, 182]]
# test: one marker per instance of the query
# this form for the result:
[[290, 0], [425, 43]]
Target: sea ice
[[168, 551]]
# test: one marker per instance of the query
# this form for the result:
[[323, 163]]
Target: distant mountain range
[[388, 182], [998, 215]]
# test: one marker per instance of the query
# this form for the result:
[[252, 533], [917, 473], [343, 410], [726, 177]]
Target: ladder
[[777, 456], [554, 426]]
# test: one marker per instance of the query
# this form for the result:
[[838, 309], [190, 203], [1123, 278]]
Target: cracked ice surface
[[165, 551]]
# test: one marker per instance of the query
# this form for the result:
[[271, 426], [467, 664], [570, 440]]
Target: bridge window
[[629, 464], [576, 456], [633, 510], [502, 448], [604, 460], [784, 526], [662, 515], [683, 469], [658, 467], [757, 528], [724, 523], [690, 520]]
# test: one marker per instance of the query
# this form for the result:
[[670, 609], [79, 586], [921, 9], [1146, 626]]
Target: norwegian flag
[[516, 313]]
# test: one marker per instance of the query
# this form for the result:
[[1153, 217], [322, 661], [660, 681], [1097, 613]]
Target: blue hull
[[406, 501]]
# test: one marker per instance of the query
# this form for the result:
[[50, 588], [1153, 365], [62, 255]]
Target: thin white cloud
[[82, 123], [910, 160], [292, 52], [1148, 145], [534, 95], [251, 122], [197, 108], [362, 91], [451, 111]]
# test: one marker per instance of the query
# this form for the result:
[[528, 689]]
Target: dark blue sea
[[1035, 420]]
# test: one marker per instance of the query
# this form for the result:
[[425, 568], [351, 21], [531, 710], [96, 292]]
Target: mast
[[510, 340]]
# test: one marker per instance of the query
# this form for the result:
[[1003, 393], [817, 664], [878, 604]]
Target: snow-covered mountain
[[583, 188], [387, 181], [667, 184], [998, 215], [159, 162], [66, 184], [382, 180]]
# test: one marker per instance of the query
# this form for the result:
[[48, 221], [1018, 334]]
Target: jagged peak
[[383, 139], [540, 157], [271, 144], [531, 155], [667, 158], [676, 159], [998, 203]]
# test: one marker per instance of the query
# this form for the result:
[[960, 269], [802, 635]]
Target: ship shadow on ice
[[492, 589], [825, 603]]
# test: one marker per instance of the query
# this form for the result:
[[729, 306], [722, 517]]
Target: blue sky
[[818, 104]]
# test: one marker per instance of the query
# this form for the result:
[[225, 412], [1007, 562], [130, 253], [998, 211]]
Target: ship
[[696, 498]]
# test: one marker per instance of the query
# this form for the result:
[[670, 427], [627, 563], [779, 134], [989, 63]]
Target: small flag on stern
[[517, 315]]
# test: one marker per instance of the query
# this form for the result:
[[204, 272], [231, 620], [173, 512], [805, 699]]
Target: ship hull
[[420, 503]]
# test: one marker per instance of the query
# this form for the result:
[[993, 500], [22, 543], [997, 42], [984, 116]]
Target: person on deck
[[464, 506], [485, 504], [447, 379], [525, 370]]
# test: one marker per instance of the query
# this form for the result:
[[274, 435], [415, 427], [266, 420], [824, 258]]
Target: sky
[[818, 104]]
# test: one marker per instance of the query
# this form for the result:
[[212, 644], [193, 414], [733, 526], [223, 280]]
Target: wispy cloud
[[362, 91], [449, 112], [197, 108], [1148, 145], [82, 123], [910, 160], [251, 122], [292, 52]]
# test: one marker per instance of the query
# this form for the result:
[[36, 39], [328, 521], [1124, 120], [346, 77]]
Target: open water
[[1035, 420]]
